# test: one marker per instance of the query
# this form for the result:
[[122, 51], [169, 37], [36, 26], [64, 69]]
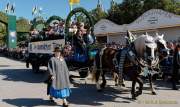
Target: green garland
[[53, 18], [74, 11], [36, 22]]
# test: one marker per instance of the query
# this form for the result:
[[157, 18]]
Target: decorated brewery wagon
[[75, 36]]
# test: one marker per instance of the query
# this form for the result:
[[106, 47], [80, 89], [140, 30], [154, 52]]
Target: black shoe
[[65, 105], [51, 100]]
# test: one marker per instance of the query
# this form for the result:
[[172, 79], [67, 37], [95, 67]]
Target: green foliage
[[38, 23], [167, 5], [98, 14], [3, 27], [3, 18], [22, 25], [71, 14], [53, 18], [126, 12], [22, 36], [129, 10], [3, 32], [115, 14]]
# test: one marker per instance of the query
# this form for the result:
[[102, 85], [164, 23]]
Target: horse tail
[[96, 66], [115, 66]]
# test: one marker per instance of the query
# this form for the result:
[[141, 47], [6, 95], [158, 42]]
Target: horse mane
[[141, 42], [160, 38]]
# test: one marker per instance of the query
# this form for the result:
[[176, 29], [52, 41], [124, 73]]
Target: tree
[[177, 6], [115, 14], [98, 14], [129, 10], [23, 27], [3, 33], [167, 5], [3, 17], [132, 9], [125, 12], [3, 27], [22, 36]]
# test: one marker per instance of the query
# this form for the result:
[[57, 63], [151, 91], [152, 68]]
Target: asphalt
[[20, 87]]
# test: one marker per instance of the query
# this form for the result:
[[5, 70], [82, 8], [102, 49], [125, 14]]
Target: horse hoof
[[123, 85], [133, 97], [154, 93], [116, 84], [138, 93], [102, 86]]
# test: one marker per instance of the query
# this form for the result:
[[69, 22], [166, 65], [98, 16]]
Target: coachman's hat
[[57, 49]]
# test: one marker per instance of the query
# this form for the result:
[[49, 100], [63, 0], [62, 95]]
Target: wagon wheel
[[78, 15], [84, 72]]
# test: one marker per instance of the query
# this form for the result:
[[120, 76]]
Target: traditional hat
[[57, 49]]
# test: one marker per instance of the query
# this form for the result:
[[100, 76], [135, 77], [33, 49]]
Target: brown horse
[[105, 64], [131, 68]]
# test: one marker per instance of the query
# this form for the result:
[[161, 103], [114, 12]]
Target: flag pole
[[71, 6]]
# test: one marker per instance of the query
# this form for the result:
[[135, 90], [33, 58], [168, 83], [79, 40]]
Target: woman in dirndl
[[59, 73]]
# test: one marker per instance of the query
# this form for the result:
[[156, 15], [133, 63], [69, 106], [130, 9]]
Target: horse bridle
[[141, 62]]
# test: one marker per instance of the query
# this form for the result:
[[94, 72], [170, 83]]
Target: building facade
[[153, 21]]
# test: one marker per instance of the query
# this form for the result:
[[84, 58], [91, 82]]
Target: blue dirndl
[[62, 93]]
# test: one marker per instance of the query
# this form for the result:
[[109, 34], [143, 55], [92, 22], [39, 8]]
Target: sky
[[50, 7]]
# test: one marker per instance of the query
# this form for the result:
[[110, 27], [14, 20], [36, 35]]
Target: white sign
[[12, 33], [45, 46], [12, 40]]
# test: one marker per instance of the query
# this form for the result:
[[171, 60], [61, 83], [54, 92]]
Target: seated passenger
[[79, 43], [34, 34], [73, 29], [88, 38], [81, 27], [68, 49]]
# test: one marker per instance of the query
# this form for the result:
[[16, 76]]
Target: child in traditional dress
[[60, 85]]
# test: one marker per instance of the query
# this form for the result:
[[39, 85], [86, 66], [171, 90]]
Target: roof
[[152, 19]]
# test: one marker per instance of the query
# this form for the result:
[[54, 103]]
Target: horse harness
[[125, 58]]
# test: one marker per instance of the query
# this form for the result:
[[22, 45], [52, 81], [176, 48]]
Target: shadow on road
[[159, 84], [88, 95], [29, 102], [164, 85], [24, 75]]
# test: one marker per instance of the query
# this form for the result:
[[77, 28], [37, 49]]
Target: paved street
[[19, 87]]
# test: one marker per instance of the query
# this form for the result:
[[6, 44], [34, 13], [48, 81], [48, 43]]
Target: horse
[[176, 67], [104, 62], [163, 52]]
